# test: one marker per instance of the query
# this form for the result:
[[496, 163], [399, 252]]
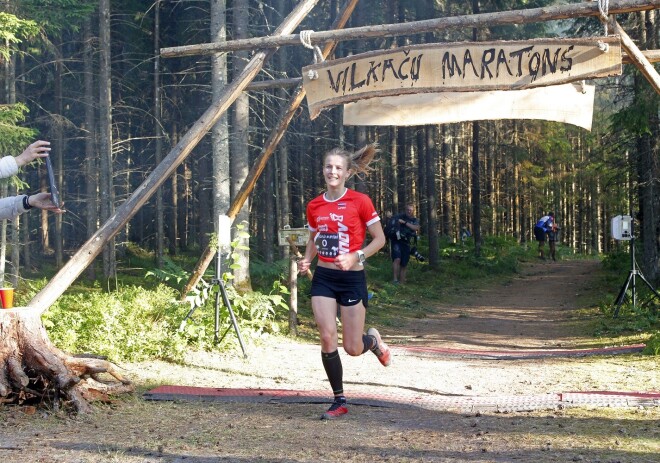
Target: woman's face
[[335, 171]]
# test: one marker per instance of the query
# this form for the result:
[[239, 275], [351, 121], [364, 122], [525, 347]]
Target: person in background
[[408, 226], [553, 236], [13, 206], [338, 220], [543, 226], [465, 234]]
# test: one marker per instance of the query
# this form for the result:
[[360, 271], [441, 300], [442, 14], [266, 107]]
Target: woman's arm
[[310, 252]]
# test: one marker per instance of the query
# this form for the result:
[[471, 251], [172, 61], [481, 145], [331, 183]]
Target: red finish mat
[[465, 403], [426, 401]]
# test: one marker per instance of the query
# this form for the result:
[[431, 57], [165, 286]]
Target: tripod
[[223, 291], [634, 272]]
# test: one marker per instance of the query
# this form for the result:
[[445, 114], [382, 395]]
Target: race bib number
[[327, 244]]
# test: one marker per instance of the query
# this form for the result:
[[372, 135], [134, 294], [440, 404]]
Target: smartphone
[[55, 194]]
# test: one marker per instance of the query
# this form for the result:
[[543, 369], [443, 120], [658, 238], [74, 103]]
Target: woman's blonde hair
[[358, 161]]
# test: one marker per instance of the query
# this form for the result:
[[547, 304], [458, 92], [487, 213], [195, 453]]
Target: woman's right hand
[[303, 265], [38, 149]]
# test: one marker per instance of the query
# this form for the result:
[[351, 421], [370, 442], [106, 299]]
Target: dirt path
[[535, 311]]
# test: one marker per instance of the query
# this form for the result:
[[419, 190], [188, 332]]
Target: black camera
[[415, 253]]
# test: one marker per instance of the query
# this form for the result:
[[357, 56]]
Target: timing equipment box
[[622, 227]]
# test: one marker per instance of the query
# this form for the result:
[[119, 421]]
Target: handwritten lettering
[[494, 63], [490, 65], [350, 78]]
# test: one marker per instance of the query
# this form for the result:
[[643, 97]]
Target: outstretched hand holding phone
[[54, 192]]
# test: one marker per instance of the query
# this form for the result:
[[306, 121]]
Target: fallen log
[[32, 369]]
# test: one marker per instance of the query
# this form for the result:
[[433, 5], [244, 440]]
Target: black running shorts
[[348, 288]]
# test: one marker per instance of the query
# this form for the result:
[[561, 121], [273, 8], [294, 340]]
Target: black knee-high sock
[[369, 342], [334, 370]]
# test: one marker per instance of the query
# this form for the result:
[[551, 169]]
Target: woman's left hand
[[346, 261]]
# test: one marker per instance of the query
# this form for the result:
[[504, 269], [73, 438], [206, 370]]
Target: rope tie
[[306, 40], [582, 86], [603, 9]]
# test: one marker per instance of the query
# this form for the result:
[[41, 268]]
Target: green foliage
[[55, 16], [12, 136], [632, 320], [14, 30], [653, 345], [137, 322], [129, 324], [170, 273]]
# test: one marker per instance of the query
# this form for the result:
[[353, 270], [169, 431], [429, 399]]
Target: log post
[[86, 254], [259, 163]]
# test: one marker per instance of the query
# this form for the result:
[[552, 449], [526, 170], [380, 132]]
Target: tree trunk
[[476, 190], [32, 368], [220, 132], [431, 195], [159, 133], [16, 223], [105, 129], [91, 159], [239, 160], [58, 149]]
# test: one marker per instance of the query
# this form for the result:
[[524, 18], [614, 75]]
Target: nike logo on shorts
[[352, 300]]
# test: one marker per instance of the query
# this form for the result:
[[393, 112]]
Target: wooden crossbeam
[[550, 13]]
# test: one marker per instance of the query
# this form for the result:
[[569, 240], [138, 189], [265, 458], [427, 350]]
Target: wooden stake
[[550, 13], [86, 254]]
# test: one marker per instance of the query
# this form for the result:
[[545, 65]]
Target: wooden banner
[[460, 67], [568, 103]]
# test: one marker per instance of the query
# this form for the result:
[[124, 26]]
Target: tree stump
[[33, 369]]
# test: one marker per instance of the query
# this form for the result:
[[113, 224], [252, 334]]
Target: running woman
[[337, 222]]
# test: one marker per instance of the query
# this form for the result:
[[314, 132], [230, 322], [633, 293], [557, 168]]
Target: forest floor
[[538, 311]]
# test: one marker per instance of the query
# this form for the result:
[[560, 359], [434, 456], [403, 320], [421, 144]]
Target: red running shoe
[[381, 350], [337, 409]]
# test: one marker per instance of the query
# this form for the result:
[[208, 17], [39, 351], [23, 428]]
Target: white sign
[[568, 103]]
